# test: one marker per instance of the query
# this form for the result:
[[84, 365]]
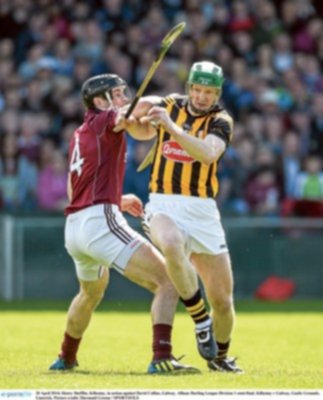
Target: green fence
[[285, 248], [34, 262]]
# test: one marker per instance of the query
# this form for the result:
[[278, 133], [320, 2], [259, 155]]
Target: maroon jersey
[[97, 158]]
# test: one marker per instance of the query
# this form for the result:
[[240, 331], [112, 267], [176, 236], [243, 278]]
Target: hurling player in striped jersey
[[182, 219]]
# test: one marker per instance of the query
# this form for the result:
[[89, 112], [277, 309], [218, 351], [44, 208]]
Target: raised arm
[[207, 150], [136, 125]]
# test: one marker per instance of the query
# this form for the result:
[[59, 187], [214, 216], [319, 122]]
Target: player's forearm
[[141, 131], [195, 147]]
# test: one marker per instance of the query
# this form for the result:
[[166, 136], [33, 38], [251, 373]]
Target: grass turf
[[279, 347]]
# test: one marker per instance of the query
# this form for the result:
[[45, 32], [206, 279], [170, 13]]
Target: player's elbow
[[208, 161], [213, 155], [209, 158]]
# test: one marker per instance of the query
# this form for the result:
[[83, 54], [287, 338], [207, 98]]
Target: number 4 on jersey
[[76, 160]]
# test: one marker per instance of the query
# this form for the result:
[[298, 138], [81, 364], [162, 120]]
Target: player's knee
[[168, 288], [92, 297], [172, 293], [160, 281], [222, 305], [166, 291]]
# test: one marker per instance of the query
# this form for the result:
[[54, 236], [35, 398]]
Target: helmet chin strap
[[108, 97]]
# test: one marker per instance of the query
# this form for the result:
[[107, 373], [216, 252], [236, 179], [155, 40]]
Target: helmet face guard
[[100, 86], [207, 74]]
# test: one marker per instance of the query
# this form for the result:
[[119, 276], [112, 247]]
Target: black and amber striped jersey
[[174, 171]]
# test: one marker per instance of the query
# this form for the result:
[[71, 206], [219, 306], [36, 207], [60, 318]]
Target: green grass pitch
[[279, 346]]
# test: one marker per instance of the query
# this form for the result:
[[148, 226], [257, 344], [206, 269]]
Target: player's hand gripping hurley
[[168, 40]]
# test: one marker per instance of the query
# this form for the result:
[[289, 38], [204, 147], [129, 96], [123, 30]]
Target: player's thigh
[[216, 274], [90, 242], [98, 285], [165, 233], [146, 267], [94, 290], [106, 240]]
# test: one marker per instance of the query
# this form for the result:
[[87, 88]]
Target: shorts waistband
[[180, 198], [95, 210]]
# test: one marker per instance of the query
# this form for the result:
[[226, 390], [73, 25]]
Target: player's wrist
[[177, 130]]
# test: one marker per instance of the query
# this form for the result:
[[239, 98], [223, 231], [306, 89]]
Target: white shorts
[[97, 237], [199, 220]]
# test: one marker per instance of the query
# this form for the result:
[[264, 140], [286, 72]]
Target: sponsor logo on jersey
[[173, 151]]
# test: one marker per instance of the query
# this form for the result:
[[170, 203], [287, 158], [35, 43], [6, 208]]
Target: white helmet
[[206, 73]]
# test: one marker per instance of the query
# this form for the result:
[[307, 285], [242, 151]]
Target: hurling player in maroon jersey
[[97, 236]]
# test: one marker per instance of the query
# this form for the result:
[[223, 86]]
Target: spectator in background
[[12, 99], [311, 74], [219, 14], [309, 183], [10, 122], [307, 199], [268, 102], [262, 192], [33, 99], [254, 125], [154, 26], [273, 133], [66, 136], [6, 50], [291, 162], [263, 186], [306, 40], [82, 69], [62, 54], [90, 44], [28, 68], [109, 53], [243, 46], [31, 34], [241, 18], [300, 121], [316, 135], [264, 62], [283, 58], [18, 177], [240, 165], [52, 181], [268, 25], [29, 138], [46, 152], [112, 14]]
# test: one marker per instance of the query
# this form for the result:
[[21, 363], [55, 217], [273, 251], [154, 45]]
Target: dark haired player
[[97, 235]]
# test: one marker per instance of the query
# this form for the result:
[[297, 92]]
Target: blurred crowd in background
[[272, 56]]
